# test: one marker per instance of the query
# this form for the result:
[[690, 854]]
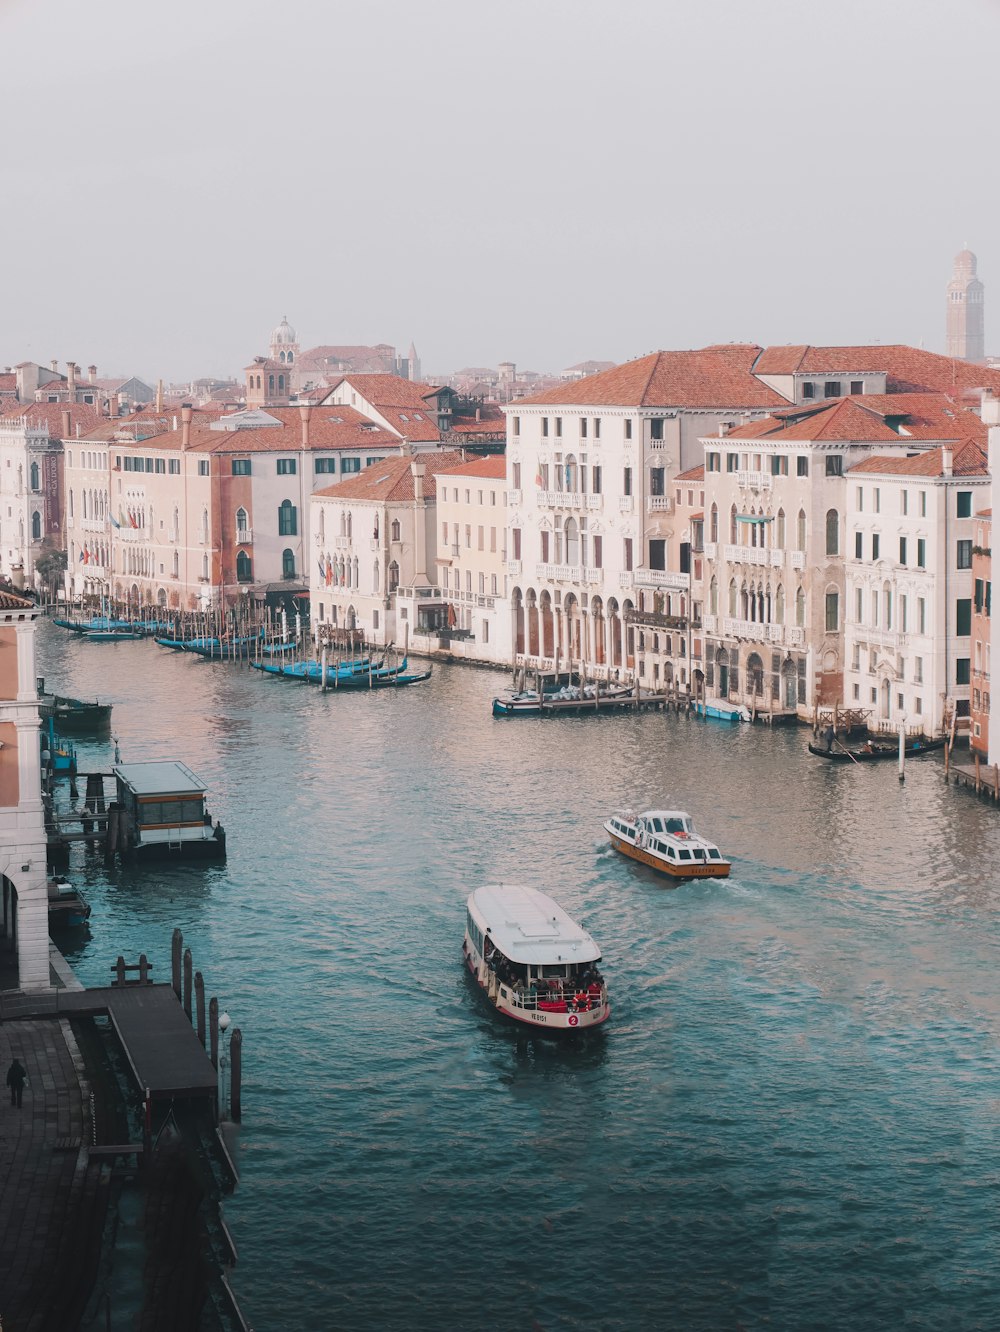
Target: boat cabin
[[163, 804]]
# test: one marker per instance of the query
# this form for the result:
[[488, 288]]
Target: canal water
[[790, 1121]]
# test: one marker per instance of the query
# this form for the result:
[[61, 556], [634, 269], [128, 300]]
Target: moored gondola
[[875, 751]]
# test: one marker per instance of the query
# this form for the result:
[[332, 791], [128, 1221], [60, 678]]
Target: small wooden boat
[[73, 715], [534, 964], [875, 751], [67, 909], [665, 840], [569, 700], [112, 636], [718, 710]]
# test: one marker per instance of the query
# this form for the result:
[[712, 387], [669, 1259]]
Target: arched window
[[288, 563], [281, 383], [732, 597], [36, 526], [832, 532], [832, 612], [204, 527], [34, 476], [800, 608], [713, 523], [801, 541], [732, 526], [713, 596], [204, 567], [288, 519], [887, 606], [375, 576], [779, 530], [393, 576], [779, 605], [290, 357], [572, 541], [244, 568], [394, 530], [241, 524], [270, 383], [177, 564]]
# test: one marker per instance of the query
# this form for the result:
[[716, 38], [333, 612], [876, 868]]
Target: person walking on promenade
[[16, 1078]]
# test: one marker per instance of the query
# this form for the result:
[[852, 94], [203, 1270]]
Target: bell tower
[[966, 338]]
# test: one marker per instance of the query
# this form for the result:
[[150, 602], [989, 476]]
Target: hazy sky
[[544, 181]]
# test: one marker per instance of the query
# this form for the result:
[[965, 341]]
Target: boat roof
[[664, 814], [529, 927], [165, 777]]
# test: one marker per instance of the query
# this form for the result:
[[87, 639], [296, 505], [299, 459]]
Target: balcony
[[568, 573], [514, 497], [244, 536], [656, 620], [777, 635], [454, 550], [797, 559], [765, 557], [562, 499], [755, 480], [512, 567], [660, 504], [626, 504], [711, 550], [677, 582], [342, 543], [92, 525]]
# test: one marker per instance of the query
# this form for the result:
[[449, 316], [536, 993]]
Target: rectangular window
[[902, 550], [597, 427], [150, 465], [595, 480], [921, 553], [904, 501], [350, 465], [962, 671], [481, 538], [545, 427], [174, 466], [732, 462], [859, 607], [835, 465], [515, 426], [656, 486], [922, 497], [963, 555], [808, 390], [963, 616], [918, 670], [628, 428], [241, 467], [877, 500], [627, 481], [802, 465], [598, 552], [545, 545], [858, 543], [628, 553], [831, 389], [861, 499], [712, 462], [515, 540], [203, 467], [902, 613], [160, 465], [657, 554], [558, 421], [779, 465], [874, 545], [583, 427], [857, 386], [921, 615], [286, 466], [832, 612], [656, 428], [324, 466], [963, 504], [979, 599]]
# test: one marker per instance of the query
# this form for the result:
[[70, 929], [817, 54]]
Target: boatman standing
[[828, 736]]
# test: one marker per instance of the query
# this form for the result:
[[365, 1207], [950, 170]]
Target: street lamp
[[225, 1022]]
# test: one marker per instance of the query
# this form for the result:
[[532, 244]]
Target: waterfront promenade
[[54, 1199]]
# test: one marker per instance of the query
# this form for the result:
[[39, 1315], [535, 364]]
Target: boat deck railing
[[555, 1001]]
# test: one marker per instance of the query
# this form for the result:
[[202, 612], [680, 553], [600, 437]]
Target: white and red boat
[[665, 840], [532, 961]]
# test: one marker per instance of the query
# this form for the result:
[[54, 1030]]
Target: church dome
[[284, 333], [965, 263]]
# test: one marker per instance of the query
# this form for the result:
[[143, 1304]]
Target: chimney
[[92, 372], [54, 366], [946, 462], [186, 414], [159, 396], [305, 411], [419, 469], [71, 377], [479, 414], [67, 428]]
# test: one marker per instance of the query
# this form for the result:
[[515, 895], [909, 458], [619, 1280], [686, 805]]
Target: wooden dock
[[981, 778]]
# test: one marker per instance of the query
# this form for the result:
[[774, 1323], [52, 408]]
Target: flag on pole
[[322, 569], [539, 481], [114, 520], [329, 573]]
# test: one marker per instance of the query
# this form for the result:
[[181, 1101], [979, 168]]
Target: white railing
[[514, 497], [890, 639], [660, 504], [512, 567], [562, 499], [594, 501], [342, 543], [755, 480], [711, 550], [764, 556], [710, 623], [797, 559], [93, 525], [661, 578], [776, 634], [173, 534], [626, 503], [244, 536]]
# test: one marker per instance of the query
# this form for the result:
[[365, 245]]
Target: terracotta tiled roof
[[492, 468], [9, 601], [323, 359], [50, 414], [967, 460], [8, 383], [692, 474], [907, 368], [865, 419], [720, 377], [331, 427], [390, 390], [392, 480]]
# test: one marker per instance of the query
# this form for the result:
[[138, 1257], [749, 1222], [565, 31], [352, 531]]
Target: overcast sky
[[544, 181]]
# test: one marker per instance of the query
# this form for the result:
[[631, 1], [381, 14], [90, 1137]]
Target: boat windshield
[[675, 826]]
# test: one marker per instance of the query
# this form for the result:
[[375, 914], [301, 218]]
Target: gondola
[[875, 752]]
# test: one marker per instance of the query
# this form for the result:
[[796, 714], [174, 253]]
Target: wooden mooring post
[[236, 1074], [176, 949], [199, 1006], [188, 967]]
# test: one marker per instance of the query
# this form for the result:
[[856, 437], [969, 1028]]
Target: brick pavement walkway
[[52, 1202]]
